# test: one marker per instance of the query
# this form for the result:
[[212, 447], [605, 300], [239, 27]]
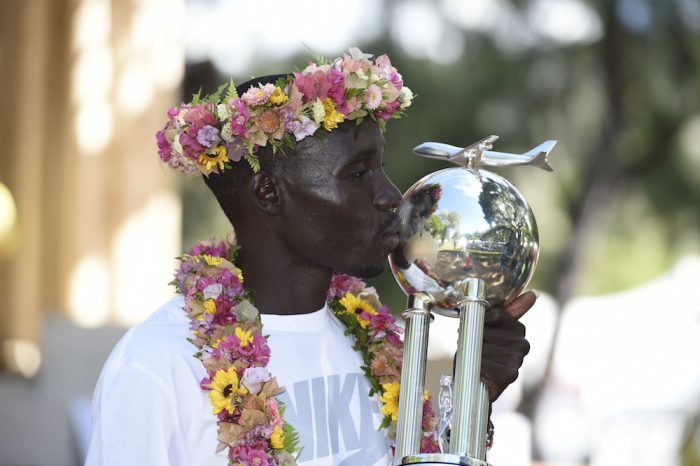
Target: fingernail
[[535, 292]]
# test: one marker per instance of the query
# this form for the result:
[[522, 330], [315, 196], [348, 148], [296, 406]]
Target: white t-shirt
[[148, 408]]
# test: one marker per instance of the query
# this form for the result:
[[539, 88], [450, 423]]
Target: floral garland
[[227, 332], [205, 135]]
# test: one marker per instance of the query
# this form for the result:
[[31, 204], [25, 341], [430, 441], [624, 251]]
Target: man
[[303, 211]]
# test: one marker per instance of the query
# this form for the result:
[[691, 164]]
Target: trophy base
[[437, 459]]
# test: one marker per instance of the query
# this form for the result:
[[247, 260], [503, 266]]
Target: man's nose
[[388, 196]]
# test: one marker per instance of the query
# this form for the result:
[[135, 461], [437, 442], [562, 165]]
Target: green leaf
[[318, 58], [253, 162], [214, 97], [196, 98], [231, 92], [281, 82], [289, 140], [385, 422], [291, 438]]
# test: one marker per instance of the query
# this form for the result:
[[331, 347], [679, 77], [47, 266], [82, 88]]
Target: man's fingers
[[520, 305]]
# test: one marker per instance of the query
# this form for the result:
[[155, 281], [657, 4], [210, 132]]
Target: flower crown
[[209, 133]]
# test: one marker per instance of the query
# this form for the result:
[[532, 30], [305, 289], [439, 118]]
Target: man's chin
[[368, 270]]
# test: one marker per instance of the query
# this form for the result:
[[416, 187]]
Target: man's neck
[[282, 284]]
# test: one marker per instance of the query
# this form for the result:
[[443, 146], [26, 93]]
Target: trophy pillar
[[418, 318], [470, 418]]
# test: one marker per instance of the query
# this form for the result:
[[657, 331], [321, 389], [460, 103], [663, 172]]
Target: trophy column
[[470, 417], [408, 431]]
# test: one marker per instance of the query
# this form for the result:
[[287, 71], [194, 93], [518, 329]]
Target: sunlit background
[[90, 221]]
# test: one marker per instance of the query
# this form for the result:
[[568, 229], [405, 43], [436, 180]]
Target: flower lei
[[205, 135], [227, 332]]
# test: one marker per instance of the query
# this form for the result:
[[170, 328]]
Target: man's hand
[[505, 345]]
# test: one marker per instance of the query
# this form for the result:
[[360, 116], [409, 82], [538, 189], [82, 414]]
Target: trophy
[[469, 242]]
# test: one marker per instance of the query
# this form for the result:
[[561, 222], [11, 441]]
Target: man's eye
[[359, 173]]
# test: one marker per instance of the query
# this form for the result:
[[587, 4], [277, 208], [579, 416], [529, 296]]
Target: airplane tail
[[539, 155]]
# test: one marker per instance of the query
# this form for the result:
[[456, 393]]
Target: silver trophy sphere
[[469, 240], [461, 223]]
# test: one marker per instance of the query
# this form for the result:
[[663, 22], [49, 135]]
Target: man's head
[[296, 160]]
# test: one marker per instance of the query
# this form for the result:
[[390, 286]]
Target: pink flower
[[429, 422], [247, 456], [395, 78], [239, 120], [256, 96], [255, 352], [196, 118], [388, 110], [429, 445], [313, 85], [337, 89], [273, 411], [163, 147], [342, 284], [173, 112], [210, 248], [373, 97]]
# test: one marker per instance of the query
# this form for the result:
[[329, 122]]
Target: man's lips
[[390, 236], [391, 241]]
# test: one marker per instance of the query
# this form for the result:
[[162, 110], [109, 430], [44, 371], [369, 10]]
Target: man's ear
[[265, 194]]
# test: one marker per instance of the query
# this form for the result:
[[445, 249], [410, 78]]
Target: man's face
[[338, 209]]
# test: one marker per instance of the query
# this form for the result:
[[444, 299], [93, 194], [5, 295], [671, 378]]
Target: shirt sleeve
[[131, 419]]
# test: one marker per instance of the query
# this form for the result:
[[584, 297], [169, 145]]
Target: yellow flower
[[239, 274], [211, 260], [355, 305], [277, 438], [213, 160], [210, 306], [224, 390], [245, 336], [390, 399], [333, 117], [278, 97]]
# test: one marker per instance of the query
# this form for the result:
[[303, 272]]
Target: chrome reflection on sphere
[[463, 223]]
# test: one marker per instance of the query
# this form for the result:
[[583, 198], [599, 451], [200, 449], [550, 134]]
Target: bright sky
[[239, 32]]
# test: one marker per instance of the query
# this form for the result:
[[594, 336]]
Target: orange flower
[[269, 122]]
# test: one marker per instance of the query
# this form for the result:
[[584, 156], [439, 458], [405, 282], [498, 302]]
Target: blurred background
[[90, 221]]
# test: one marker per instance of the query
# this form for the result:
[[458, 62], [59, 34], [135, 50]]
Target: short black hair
[[226, 184]]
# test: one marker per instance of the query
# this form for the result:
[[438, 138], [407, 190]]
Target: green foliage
[[252, 161], [291, 438]]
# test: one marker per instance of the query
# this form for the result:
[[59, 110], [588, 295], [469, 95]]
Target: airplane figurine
[[479, 153]]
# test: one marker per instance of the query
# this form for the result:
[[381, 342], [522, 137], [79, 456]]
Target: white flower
[[318, 113], [357, 54], [177, 147], [212, 291], [254, 377], [405, 97], [285, 459], [245, 311], [222, 111], [227, 133]]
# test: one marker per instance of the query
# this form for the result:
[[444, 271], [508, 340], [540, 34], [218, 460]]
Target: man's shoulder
[[158, 341]]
